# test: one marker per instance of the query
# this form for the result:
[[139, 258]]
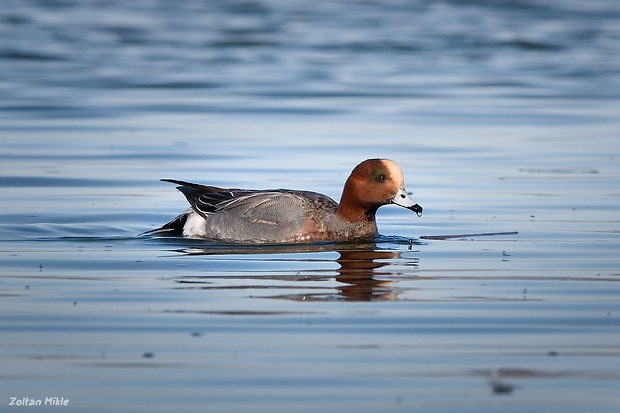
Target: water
[[503, 116]]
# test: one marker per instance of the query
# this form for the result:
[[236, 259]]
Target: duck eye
[[380, 178]]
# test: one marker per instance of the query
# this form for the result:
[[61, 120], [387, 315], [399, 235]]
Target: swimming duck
[[291, 216]]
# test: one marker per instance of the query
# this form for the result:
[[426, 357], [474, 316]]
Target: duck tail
[[173, 228]]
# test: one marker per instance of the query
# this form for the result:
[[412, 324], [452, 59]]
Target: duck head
[[374, 183]]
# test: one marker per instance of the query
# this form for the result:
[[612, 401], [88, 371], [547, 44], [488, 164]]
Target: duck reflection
[[365, 272], [360, 271]]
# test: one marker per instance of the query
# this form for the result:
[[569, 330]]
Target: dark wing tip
[[195, 187]]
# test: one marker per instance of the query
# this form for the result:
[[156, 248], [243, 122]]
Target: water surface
[[503, 116]]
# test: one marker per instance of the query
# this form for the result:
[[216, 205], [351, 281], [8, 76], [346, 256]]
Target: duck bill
[[404, 200]]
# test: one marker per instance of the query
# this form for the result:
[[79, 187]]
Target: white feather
[[194, 226]]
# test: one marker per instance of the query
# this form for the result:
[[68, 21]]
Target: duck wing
[[266, 216], [275, 206], [268, 206], [203, 198]]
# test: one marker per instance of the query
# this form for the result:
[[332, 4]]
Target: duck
[[280, 216]]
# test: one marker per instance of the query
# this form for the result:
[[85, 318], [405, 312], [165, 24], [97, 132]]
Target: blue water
[[504, 116]]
